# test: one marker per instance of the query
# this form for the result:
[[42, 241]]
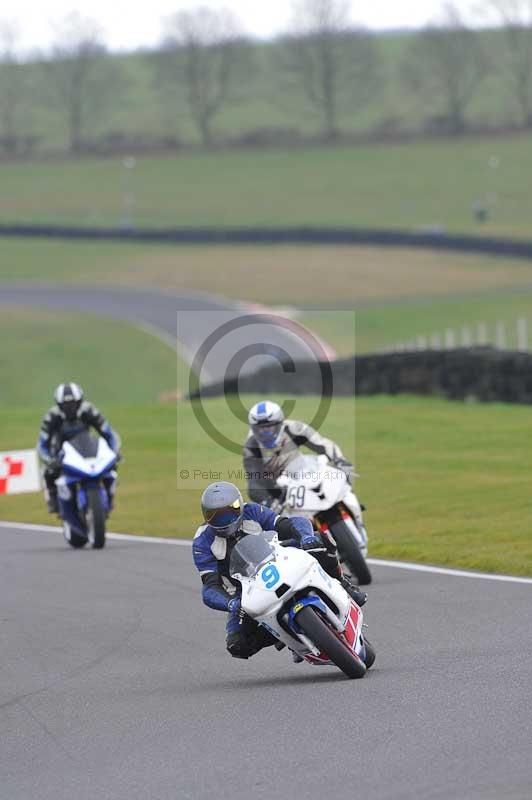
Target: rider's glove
[[233, 605], [310, 541], [345, 466], [55, 463]]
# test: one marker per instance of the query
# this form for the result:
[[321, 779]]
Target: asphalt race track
[[183, 320], [115, 684]]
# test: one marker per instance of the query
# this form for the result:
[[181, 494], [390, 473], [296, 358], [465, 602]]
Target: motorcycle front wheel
[[321, 635], [95, 518], [74, 539], [350, 552]]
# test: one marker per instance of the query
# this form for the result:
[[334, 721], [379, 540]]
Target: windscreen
[[85, 444], [249, 554]]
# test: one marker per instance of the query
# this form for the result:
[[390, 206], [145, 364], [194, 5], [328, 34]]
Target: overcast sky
[[127, 25]]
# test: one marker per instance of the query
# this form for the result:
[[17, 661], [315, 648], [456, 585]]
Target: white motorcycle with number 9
[[285, 590]]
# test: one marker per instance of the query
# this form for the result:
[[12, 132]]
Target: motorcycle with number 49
[[285, 590], [320, 491], [85, 489]]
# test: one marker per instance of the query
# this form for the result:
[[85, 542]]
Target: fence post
[[435, 341], [500, 336], [482, 333], [522, 334]]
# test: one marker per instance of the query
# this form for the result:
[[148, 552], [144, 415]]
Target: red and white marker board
[[19, 472]]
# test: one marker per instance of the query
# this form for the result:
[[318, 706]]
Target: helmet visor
[[224, 520], [268, 435], [70, 408]]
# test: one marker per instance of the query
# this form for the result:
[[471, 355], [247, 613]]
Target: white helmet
[[266, 422]]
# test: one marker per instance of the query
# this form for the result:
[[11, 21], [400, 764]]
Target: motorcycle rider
[[273, 442], [227, 519], [70, 416]]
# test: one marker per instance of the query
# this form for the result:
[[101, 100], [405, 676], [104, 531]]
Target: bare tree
[[515, 17], [333, 63], [81, 75], [204, 53], [445, 66], [12, 84]]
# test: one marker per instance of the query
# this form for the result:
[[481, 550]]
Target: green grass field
[[444, 482], [388, 325], [113, 361], [400, 186], [397, 294]]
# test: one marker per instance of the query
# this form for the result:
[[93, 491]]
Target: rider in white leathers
[[273, 442]]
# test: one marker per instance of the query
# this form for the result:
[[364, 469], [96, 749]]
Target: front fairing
[[312, 486], [77, 466]]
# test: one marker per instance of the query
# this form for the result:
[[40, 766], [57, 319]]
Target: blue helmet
[[266, 422], [223, 508]]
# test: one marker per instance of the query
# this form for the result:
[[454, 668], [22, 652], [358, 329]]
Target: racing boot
[[51, 501], [353, 591], [296, 658]]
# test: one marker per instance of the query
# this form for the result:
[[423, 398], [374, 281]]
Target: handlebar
[[296, 543]]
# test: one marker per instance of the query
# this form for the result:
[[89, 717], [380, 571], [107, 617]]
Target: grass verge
[[445, 483], [401, 186], [114, 361]]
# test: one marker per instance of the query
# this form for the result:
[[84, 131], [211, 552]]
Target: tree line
[[324, 64]]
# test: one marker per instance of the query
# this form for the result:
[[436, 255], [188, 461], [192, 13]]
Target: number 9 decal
[[270, 576]]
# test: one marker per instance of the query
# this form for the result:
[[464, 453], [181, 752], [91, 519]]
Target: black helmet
[[69, 397], [223, 508]]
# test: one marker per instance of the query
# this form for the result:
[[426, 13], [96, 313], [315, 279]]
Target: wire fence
[[502, 335]]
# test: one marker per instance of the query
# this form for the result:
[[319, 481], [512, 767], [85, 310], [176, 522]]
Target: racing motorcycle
[[319, 491], [85, 489], [286, 591]]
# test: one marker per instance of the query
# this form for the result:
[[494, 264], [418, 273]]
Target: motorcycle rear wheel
[[95, 518], [322, 636], [350, 552]]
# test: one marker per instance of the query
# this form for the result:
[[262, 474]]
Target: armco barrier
[[514, 248], [482, 374]]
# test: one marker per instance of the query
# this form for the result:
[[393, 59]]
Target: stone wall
[[483, 374]]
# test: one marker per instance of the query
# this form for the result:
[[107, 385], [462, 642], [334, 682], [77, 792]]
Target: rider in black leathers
[[70, 416]]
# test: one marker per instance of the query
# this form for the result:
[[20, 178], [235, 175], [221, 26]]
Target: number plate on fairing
[[270, 576]]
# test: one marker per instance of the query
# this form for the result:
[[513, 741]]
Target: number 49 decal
[[270, 576]]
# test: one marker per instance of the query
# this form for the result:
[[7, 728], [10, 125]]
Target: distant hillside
[[267, 109]]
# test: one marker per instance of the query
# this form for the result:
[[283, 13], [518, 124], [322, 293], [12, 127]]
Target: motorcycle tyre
[[322, 636], [350, 552], [95, 519]]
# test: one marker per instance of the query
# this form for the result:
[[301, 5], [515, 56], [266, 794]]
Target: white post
[[500, 336], [522, 334], [435, 341], [421, 343], [450, 342], [482, 333], [467, 339]]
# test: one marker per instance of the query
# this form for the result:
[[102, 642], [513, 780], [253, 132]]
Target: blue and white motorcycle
[[85, 489]]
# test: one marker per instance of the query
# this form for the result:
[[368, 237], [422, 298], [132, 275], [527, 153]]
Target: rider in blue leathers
[[227, 519]]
